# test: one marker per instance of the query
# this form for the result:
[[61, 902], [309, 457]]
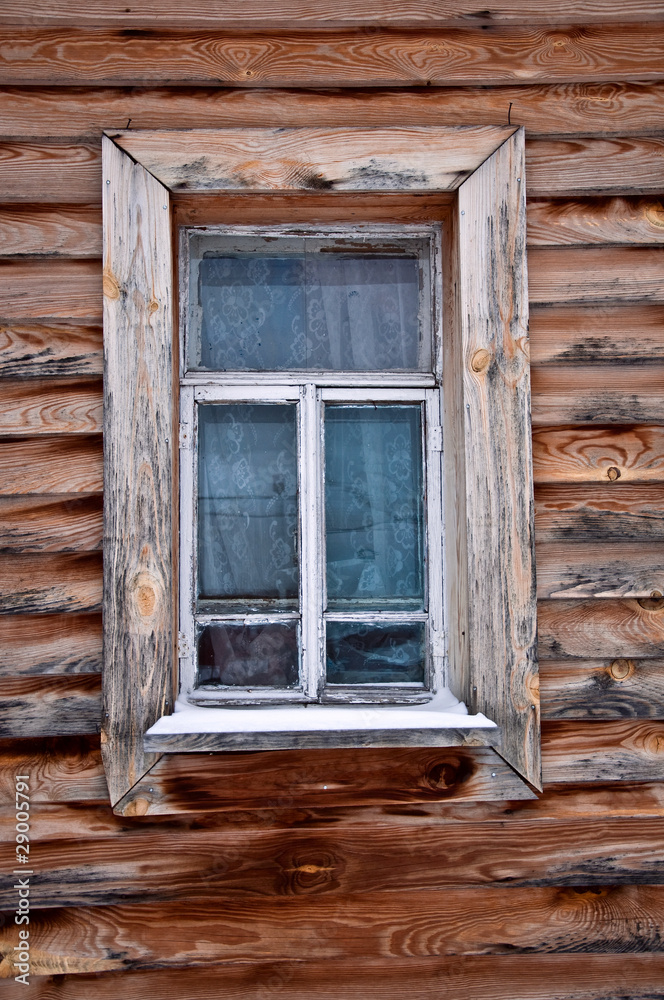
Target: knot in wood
[[481, 360], [110, 285], [145, 591], [613, 473], [621, 669]]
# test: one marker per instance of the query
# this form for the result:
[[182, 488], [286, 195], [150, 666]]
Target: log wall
[[346, 874]]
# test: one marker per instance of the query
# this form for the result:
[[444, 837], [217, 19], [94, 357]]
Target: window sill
[[441, 722]]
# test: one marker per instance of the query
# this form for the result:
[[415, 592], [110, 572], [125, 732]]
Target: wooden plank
[[463, 56], [55, 289], [604, 569], [599, 512], [603, 751], [603, 220], [492, 977], [36, 351], [333, 159], [139, 426], [592, 274], [597, 334], [499, 505], [50, 407], [164, 864], [587, 394], [389, 926], [599, 629], [602, 689], [546, 109], [51, 465], [368, 14], [51, 523], [54, 171], [66, 231], [63, 769], [600, 165], [50, 644], [50, 706], [48, 582], [598, 454]]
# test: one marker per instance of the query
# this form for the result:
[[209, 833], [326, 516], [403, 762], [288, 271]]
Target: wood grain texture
[[611, 919], [139, 425], [592, 274], [50, 407], [600, 569], [599, 512], [50, 644], [597, 394], [330, 159], [45, 289], [614, 455], [63, 769], [563, 109], [37, 351], [598, 165], [496, 403], [492, 977], [53, 523], [51, 465], [367, 14], [599, 629], [602, 689], [603, 751], [462, 56], [50, 706], [46, 583], [597, 334], [600, 220], [50, 171], [66, 231]]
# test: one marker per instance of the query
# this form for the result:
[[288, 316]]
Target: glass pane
[[374, 510], [248, 655], [310, 310], [359, 653], [247, 501]]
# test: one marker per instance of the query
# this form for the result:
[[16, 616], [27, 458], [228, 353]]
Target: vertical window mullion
[[311, 577], [434, 538], [188, 522]]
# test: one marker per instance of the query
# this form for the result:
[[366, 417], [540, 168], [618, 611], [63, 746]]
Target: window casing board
[[490, 596]]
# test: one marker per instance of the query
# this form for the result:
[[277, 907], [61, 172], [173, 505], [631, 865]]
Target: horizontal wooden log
[[51, 465], [598, 454], [616, 164], [63, 769], [163, 864], [59, 172], [51, 289], [611, 919], [368, 14], [600, 569], [50, 407], [463, 56], [37, 351], [592, 274], [50, 582], [597, 334], [599, 629], [51, 524], [49, 705], [602, 689], [492, 977], [66, 231], [601, 220], [50, 644], [603, 751], [587, 394], [599, 512], [553, 109]]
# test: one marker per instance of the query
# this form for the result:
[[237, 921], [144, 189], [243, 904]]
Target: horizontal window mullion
[[369, 617]]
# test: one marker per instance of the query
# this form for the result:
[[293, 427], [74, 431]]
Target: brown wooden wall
[[356, 873]]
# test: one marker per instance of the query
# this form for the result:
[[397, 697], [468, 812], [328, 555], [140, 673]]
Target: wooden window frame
[[489, 542]]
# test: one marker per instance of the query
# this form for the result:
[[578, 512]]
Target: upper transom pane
[[306, 303]]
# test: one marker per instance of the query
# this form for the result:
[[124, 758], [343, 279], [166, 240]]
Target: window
[[310, 466], [487, 548]]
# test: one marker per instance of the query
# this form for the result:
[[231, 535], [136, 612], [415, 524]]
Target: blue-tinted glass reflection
[[359, 653], [248, 655], [374, 506]]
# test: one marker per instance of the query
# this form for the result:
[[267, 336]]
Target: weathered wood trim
[[496, 412], [139, 567]]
